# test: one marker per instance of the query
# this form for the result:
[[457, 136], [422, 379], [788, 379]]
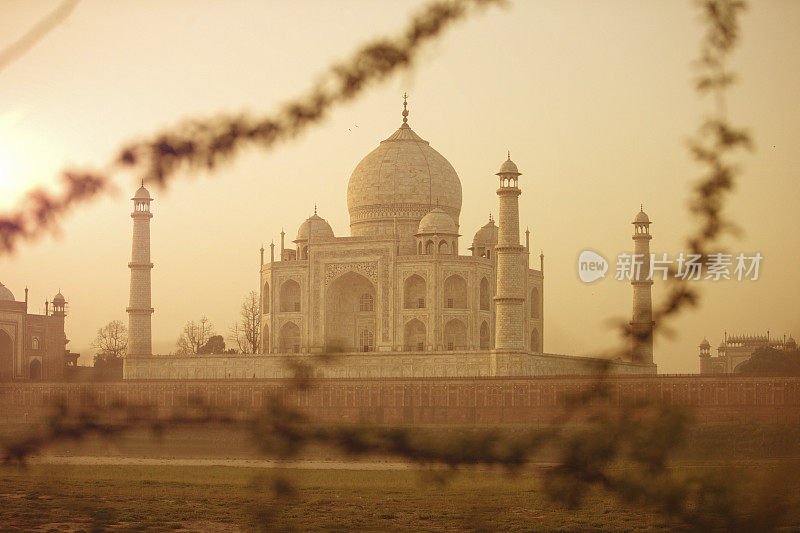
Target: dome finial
[[509, 155], [315, 208], [405, 108], [641, 208]]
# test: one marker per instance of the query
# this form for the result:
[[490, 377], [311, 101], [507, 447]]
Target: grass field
[[157, 498], [58, 497]]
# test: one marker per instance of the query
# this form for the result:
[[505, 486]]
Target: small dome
[[641, 218], [316, 227], [437, 221], [5, 294], [705, 344], [721, 346], [790, 341], [508, 167], [59, 298], [142, 194], [487, 235]]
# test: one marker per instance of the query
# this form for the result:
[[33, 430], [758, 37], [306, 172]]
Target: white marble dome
[[316, 227], [509, 167], [5, 294], [641, 218], [487, 236], [142, 194], [400, 181], [437, 222]]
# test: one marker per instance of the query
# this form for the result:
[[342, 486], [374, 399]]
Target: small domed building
[[398, 282]]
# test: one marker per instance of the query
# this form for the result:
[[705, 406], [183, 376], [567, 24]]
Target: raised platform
[[478, 363]]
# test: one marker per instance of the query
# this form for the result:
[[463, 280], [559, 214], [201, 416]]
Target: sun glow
[[10, 189], [12, 185], [6, 185]]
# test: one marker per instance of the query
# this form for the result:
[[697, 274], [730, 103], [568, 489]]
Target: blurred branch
[[42, 210], [47, 24], [625, 451], [206, 143], [642, 436]]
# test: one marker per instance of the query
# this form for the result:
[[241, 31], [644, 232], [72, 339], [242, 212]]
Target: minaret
[[510, 296], [642, 320], [139, 308]]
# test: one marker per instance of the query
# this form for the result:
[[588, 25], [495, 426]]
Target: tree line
[[198, 337]]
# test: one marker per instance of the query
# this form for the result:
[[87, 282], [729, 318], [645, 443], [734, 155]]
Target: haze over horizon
[[594, 101]]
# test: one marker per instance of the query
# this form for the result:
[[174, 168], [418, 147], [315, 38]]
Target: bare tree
[[111, 342], [245, 332], [236, 338], [194, 336]]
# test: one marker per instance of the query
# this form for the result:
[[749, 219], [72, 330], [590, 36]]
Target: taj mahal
[[399, 296]]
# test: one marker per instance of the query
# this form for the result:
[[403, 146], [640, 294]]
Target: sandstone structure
[[736, 349], [33, 347]]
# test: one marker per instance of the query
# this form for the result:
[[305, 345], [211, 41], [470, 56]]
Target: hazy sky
[[594, 100]]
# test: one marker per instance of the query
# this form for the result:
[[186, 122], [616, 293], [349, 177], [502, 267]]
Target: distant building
[[33, 347], [736, 349]]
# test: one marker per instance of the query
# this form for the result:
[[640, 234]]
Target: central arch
[[6, 357], [350, 314]]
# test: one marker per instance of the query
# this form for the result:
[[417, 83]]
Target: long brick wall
[[431, 400]]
